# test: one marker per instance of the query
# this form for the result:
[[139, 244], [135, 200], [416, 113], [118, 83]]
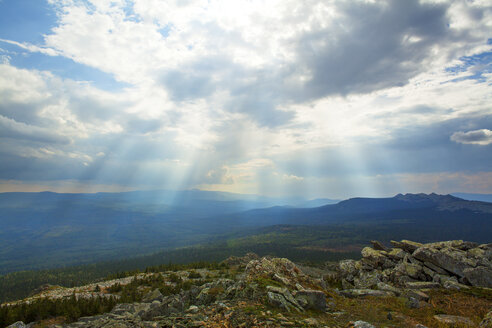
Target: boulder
[[435, 268], [311, 299], [281, 297], [352, 293], [379, 246], [452, 260], [422, 285], [347, 268], [361, 324], [409, 269], [397, 254], [18, 324], [479, 277], [388, 288], [458, 244], [373, 258], [280, 269], [152, 296], [367, 280], [407, 245], [417, 294], [450, 284]]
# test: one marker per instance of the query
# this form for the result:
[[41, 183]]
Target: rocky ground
[[444, 284]]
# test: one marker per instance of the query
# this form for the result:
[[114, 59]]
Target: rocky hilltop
[[445, 284]]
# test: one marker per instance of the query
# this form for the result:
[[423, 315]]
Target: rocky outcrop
[[245, 299], [276, 281], [410, 265]]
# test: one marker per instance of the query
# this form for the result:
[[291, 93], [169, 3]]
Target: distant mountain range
[[49, 229]]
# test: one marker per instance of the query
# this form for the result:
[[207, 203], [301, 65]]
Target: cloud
[[481, 137], [251, 95], [12, 129]]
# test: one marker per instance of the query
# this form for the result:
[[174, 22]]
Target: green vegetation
[[71, 309], [299, 243]]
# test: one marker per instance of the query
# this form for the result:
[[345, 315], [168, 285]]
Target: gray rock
[[379, 246], [407, 245], [347, 268], [422, 285], [413, 303], [193, 309], [417, 294], [362, 324], [389, 288], [479, 277], [450, 284], [367, 280], [18, 324], [454, 320], [152, 296], [454, 261], [365, 292], [409, 269], [397, 254], [373, 258], [435, 268], [311, 299], [281, 297]]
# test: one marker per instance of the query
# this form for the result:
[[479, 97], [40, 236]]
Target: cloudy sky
[[314, 98]]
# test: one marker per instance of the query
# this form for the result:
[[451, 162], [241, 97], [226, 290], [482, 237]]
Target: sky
[[312, 98]]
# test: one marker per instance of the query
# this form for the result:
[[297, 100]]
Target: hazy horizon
[[281, 98]]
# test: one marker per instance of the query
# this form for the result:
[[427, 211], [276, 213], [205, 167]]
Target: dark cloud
[[372, 46], [478, 137], [256, 93]]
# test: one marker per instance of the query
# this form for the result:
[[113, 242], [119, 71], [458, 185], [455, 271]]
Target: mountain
[[364, 209], [45, 230], [479, 197]]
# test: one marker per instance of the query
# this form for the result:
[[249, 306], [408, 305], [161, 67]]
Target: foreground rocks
[[275, 292], [411, 265]]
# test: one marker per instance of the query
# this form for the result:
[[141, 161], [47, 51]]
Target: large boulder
[[451, 260], [407, 245], [281, 297], [374, 258], [311, 299], [480, 276], [281, 270]]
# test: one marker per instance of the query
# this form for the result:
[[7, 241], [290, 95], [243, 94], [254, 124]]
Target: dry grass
[[376, 309]]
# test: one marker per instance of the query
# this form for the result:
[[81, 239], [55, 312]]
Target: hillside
[[442, 284], [47, 230]]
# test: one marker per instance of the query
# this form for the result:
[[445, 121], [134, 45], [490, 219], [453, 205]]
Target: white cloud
[[221, 91], [481, 137]]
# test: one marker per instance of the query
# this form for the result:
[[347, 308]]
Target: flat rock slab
[[422, 285], [365, 292], [454, 320]]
